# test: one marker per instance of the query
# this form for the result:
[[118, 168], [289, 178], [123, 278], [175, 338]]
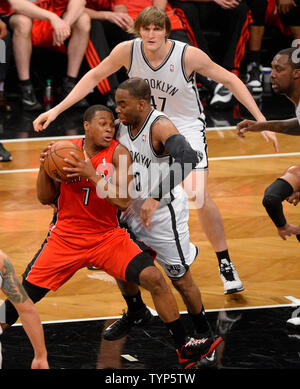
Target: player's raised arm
[[196, 60], [118, 57]]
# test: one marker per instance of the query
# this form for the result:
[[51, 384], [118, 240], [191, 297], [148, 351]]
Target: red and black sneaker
[[195, 349]]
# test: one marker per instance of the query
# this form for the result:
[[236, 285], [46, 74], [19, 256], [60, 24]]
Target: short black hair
[[293, 54], [90, 112], [137, 87]]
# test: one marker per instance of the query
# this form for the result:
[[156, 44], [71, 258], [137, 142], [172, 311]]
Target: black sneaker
[[28, 98], [67, 86], [4, 154], [195, 349], [254, 80], [222, 98], [122, 327]]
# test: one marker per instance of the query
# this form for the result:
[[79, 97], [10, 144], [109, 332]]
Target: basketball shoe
[[5, 156], [254, 78], [230, 278], [28, 98], [195, 349], [222, 98], [122, 327]]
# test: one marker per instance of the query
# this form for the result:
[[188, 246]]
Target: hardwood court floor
[[240, 170]]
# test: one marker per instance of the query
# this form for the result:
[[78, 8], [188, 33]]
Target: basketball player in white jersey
[[285, 77], [170, 67], [12, 288]]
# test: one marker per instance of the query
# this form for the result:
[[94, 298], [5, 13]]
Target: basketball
[[54, 161]]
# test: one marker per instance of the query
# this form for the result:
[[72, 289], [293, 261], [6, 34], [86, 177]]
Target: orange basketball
[[54, 161]]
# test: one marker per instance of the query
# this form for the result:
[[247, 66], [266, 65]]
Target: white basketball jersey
[[147, 167], [172, 91]]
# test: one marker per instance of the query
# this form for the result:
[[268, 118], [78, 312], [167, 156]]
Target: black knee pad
[[36, 293], [135, 267]]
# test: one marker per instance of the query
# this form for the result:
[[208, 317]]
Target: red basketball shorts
[[58, 259], [42, 34]]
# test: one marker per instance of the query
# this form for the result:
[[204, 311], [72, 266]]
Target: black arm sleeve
[[184, 160], [274, 195]]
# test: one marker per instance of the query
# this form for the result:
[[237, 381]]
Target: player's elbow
[[45, 198], [271, 202]]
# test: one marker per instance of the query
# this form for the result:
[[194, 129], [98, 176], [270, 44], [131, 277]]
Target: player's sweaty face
[[101, 128]]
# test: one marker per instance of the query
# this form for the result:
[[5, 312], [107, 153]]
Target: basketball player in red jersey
[[85, 232]]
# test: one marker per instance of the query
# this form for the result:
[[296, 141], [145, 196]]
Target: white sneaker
[[254, 80], [230, 278], [222, 98], [294, 322]]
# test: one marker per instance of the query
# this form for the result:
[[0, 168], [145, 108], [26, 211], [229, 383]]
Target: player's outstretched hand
[[271, 136], [253, 126], [44, 119]]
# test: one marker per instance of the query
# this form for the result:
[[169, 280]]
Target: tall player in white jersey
[[12, 288], [174, 91]]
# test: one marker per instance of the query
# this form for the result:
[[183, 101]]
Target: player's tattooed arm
[[11, 286]]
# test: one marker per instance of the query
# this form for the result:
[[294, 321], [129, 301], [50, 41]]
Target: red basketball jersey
[[80, 210]]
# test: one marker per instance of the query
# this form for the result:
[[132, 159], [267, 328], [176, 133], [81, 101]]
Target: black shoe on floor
[[28, 98], [122, 327], [4, 154]]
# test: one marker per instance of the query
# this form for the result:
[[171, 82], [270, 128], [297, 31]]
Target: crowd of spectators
[[231, 32]]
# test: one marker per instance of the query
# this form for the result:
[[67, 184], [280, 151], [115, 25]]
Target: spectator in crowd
[[284, 14], [232, 19], [47, 26], [5, 156]]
